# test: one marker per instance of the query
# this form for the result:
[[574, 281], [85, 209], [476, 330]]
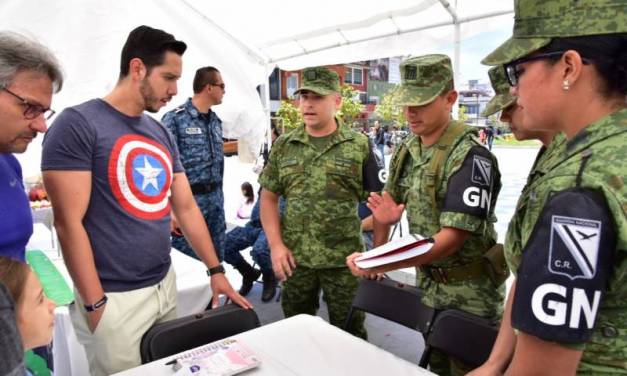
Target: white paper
[[377, 256]]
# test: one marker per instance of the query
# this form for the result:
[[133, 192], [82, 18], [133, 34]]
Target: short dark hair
[[203, 77], [607, 53], [149, 45], [449, 87]]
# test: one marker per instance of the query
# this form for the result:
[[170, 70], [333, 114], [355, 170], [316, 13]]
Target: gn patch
[[565, 268], [574, 247], [481, 170], [470, 187]]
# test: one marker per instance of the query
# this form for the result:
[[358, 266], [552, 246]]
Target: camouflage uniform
[[575, 210], [320, 225], [412, 183], [199, 139]]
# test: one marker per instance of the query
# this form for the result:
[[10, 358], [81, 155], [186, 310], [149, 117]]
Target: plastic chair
[[392, 301], [462, 335], [174, 336]]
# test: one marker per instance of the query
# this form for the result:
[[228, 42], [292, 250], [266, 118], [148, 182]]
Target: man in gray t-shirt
[[113, 174]]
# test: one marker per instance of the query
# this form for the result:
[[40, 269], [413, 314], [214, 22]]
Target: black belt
[[200, 189]]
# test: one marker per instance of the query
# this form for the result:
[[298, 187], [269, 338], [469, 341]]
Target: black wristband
[[97, 305], [216, 270]]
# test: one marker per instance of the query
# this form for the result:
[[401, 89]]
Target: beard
[[151, 102]]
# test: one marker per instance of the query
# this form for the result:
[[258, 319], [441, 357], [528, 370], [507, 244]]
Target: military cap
[[502, 98], [319, 80], [537, 22], [423, 78]]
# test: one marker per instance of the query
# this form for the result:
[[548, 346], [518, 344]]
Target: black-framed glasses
[[32, 110], [221, 86], [513, 72]]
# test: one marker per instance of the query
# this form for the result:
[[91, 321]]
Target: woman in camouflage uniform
[[567, 64]]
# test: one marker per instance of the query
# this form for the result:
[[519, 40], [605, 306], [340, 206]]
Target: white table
[[306, 345], [193, 294]]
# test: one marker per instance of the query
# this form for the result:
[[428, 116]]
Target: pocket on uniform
[[343, 179], [197, 140]]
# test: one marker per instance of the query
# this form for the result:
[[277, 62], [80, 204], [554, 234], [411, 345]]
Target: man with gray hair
[[29, 74]]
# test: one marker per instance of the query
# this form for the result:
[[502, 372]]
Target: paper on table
[[401, 249], [223, 358]]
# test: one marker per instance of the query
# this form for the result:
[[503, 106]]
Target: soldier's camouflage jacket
[[322, 189], [478, 295]]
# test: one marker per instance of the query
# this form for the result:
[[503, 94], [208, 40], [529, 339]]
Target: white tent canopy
[[245, 40]]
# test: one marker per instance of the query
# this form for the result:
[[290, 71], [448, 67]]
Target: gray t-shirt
[[11, 350], [132, 160]]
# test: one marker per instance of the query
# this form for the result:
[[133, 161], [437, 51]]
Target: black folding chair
[[172, 337], [393, 301], [462, 335]]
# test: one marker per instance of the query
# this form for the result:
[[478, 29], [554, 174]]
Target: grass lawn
[[509, 140]]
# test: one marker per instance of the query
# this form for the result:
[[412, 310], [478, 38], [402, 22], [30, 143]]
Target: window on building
[[354, 76], [292, 85], [275, 85]]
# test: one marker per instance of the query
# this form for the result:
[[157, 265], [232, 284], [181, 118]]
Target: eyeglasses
[[32, 111], [221, 86], [513, 72]]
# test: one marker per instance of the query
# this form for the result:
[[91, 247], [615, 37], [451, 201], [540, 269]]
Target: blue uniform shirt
[[199, 138]]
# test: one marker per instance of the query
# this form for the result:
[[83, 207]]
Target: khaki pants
[[114, 345]]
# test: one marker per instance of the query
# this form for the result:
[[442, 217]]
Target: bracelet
[[97, 305], [215, 270]]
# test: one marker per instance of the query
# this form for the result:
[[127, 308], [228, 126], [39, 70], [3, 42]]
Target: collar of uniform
[[421, 152], [605, 127], [189, 106], [343, 133]]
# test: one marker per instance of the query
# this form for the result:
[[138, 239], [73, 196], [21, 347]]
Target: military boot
[[249, 276], [269, 286]]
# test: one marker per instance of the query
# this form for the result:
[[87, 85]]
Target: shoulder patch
[[566, 266], [470, 187]]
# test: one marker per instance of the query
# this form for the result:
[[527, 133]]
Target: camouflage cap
[[423, 78], [502, 98], [536, 22], [319, 80]]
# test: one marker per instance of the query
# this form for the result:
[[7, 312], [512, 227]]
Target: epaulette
[[179, 109]]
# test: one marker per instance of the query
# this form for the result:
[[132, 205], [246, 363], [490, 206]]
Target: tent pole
[[266, 104], [456, 66]]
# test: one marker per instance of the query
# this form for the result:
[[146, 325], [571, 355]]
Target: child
[[246, 206], [34, 312]]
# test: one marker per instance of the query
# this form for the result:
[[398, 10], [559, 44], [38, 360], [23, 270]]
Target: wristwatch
[[97, 305], [215, 270]]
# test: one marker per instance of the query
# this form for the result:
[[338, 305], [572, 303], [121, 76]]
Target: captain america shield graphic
[[140, 175]]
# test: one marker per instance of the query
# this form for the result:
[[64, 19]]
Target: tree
[[351, 106], [289, 115], [389, 111], [461, 114]]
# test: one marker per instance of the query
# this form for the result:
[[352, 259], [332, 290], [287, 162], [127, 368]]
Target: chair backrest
[[393, 301], [462, 335], [174, 336]]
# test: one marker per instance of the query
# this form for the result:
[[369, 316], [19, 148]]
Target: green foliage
[[289, 115], [351, 106], [388, 111], [461, 114]]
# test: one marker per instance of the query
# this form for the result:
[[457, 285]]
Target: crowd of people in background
[[125, 188]]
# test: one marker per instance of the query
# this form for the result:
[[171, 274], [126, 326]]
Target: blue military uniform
[[199, 139], [250, 235]]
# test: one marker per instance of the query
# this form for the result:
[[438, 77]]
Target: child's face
[[35, 314]]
